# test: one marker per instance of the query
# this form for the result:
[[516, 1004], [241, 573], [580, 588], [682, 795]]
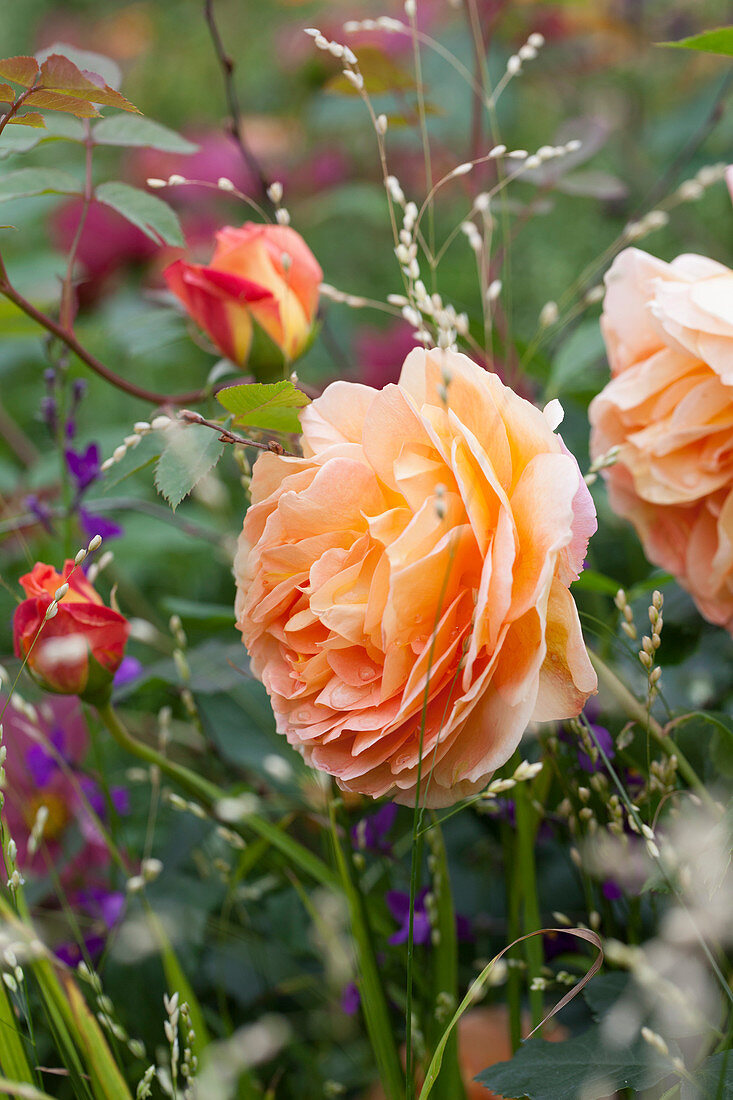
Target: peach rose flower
[[669, 408], [412, 570]]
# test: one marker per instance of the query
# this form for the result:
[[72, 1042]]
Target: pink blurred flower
[[42, 769], [380, 353], [108, 243]]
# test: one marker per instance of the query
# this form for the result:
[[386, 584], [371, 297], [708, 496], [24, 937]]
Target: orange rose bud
[[79, 649], [259, 274]]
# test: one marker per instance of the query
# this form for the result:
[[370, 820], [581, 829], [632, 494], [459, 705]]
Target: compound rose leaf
[[191, 453], [269, 405], [149, 213], [21, 70], [60, 75]]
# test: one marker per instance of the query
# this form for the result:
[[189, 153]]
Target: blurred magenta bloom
[[43, 769], [108, 243], [380, 353]]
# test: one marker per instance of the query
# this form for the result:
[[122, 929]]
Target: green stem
[[638, 711], [444, 971], [208, 795], [513, 905], [374, 1001], [526, 870]]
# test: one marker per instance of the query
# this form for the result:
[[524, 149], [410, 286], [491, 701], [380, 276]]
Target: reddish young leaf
[[30, 118], [60, 75], [7, 93], [21, 70], [61, 101]]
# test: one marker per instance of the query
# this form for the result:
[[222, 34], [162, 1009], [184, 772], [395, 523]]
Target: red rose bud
[[259, 274], [79, 649]]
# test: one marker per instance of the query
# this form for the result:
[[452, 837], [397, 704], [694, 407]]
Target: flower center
[[58, 814]]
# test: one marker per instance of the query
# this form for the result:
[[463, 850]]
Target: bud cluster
[[140, 428]]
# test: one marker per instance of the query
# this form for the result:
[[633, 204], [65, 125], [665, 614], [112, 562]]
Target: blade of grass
[[477, 985], [177, 981], [13, 1058], [24, 1091], [107, 1080]]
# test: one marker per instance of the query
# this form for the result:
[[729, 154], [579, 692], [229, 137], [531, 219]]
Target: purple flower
[[370, 834], [558, 943], [49, 413], [71, 954], [105, 908], [40, 511], [129, 670], [350, 999], [399, 906], [119, 796], [604, 739], [83, 466], [611, 890], [398, 903], [43, 765], [104, 905], [93, 525], [503, 809]]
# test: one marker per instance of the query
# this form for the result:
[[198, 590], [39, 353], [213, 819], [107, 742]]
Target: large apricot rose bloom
[[423, 546], [669, 408]]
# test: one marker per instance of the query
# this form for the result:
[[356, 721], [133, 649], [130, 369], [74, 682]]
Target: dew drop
[[303, 716]]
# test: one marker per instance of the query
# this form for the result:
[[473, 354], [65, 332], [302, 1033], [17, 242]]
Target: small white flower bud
[[548, 314], [356, 79]]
